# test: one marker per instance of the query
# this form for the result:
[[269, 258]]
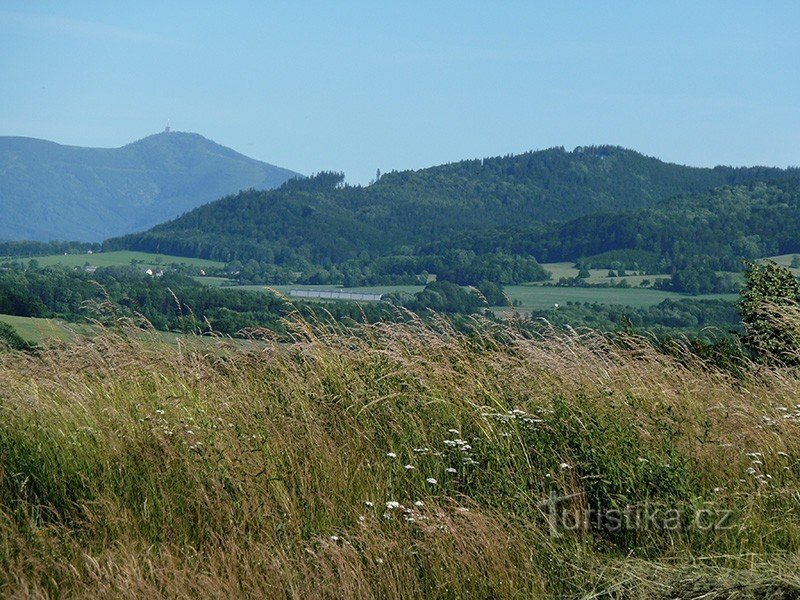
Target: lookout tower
[[167, 128]]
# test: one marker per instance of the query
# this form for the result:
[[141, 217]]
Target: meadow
[[396, 461], [123, 258], [37, 330]]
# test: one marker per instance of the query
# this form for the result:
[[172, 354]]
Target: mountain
[[321, 221], [51, 191]]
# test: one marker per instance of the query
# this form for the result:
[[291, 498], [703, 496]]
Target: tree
[[770, 312]]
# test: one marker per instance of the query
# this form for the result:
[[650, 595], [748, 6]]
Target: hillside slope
[[323, 221], [51, 191]]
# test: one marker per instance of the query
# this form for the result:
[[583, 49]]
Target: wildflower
[[362, 518], [391, 455], [564, 465], [379, 561], [453, 431], [368, 503], [751, 471], [409, 467], [334, 538], [451, 470], [431, 480], [419, 504], [392, 505]]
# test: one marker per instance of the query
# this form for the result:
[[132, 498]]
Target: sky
[[365, 85]]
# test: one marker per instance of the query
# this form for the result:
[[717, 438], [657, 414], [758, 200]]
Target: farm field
[[785, 260], [122, 258], [37, 330], [596, 276], [537, 296]]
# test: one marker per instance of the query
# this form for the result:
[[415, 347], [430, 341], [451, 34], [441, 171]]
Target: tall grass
[[393, 460]]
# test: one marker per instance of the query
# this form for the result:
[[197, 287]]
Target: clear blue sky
[[357, 86]]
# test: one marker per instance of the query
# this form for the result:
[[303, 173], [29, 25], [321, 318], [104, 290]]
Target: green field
[[538, 297], [122, 258], [596, 276], [36, 330], [785, 260]]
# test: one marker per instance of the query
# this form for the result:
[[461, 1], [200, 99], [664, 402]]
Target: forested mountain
[[724, 225], [471, 218], [51, 191]]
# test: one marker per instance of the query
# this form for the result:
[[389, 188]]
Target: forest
[[497, 219]]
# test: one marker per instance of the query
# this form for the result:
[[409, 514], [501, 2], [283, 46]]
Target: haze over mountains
[[51, 191]]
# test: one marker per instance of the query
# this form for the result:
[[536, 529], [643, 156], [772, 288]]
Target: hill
[[51, 191], [729, 223], [320, 221]]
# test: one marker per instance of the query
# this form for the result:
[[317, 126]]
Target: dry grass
[[129, 468]]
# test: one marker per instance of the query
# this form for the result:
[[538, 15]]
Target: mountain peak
[[52, 191]]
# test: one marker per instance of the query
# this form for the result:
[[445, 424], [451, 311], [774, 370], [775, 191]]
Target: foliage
[[771, 294]]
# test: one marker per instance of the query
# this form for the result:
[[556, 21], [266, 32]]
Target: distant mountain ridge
[[52, 191]]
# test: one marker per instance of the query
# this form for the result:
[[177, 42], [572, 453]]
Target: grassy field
[[596, 276], [785, 260], [43, 331], [123, 258], [37, 330], [537, 297], [396, 461]]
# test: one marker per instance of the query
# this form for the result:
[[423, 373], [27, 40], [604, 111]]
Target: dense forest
[[495, 219]]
